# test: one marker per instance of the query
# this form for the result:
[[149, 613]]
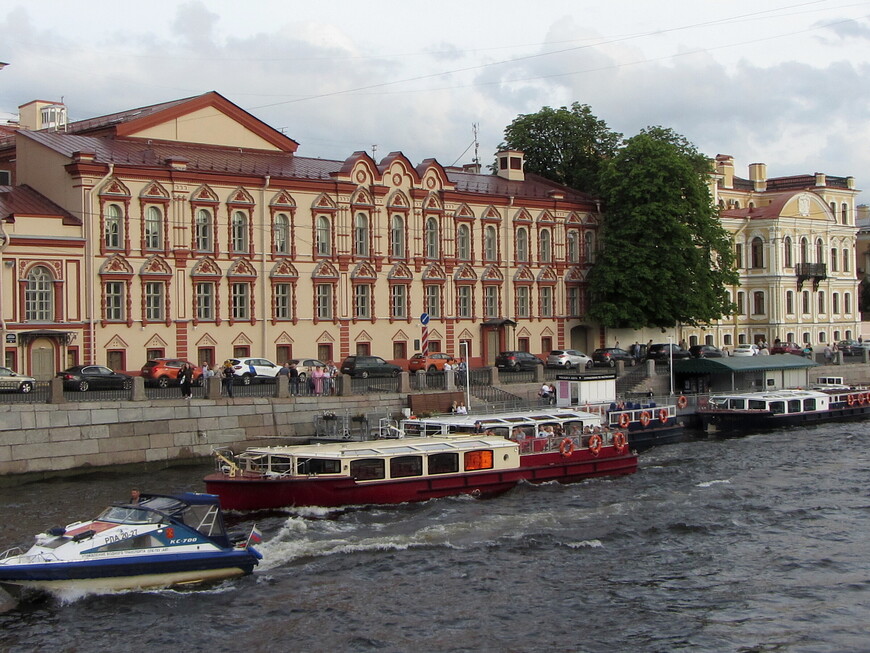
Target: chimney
[[821, 180], [725, 167], [758, 176], [510, 165]]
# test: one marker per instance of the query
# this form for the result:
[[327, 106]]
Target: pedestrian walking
[[229, 378]]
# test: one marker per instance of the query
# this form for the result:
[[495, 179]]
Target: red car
[[430, 363], [163, 372], [787, 348]]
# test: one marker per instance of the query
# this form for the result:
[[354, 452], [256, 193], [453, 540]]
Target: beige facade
[[192, 229]]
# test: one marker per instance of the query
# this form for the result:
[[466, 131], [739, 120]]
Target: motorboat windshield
[[129, 515]]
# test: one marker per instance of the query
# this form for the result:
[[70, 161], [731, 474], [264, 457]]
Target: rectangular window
[[443, 463], [523, 301], [283, 294], [324, 301], [115, 301], [490, 301], [546, 344], [463, 294], [151, 354], [241, 301], [523, 344], [478, 460], [433, 301], [400, 349], [399, 301], [154, 301], [572, 301], [546, 301], [362, 301], [404, 466], [367, 469], [324, 351], [205, 301]]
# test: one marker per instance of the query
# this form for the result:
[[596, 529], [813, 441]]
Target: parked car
[[664, 352], [569, 359], [16, 382], [305, 365], [608, 356], [366, 366], [249, 370], [430, 362], [515, 361], [787, 348], [705, 351], [850, 347], [163, 372], [94, 377], [745, 350]]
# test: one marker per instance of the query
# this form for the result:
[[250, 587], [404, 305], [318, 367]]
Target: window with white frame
[[789, 302], [820, 251], [114, 301], [362, 301], [281, 232], [589, 246], [323, 236], [757, 252], [464, 302], [572, 301], [239, 242], [397, 237], [490, 243], [361, 235], [846, 260], [546, 246], [490, 301], [572, 246], [834, 258], [433, 238], [522, 245], [433, 300], [324, 301], [153, 228], [523, 302], [205, 304], [758, 303], [154, 300], [39, 296], [805, 302], [203, 231], [788, 253], [546, 293], [399, 301], [463, 242], [821, 298], [835, 303], [847, 303], [741, 310], [240, 300], [114, 227], [283, 295]]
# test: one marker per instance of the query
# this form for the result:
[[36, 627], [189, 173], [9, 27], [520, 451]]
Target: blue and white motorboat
[[160, 541]]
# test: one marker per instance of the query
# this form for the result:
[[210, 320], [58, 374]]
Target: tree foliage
[[564, 145], [665, 257]]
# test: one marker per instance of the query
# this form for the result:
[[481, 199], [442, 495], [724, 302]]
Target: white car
[[568, 359], [248, 370], [10, 380], [745, 350]]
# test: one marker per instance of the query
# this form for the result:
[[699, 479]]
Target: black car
[[514, 361], [607, 357], [705, 351], [850, 347], [664, 351], [366, 366], [94, 377]]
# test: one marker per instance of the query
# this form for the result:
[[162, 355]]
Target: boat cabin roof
[[382, 448], [771, 395], [518, 418]]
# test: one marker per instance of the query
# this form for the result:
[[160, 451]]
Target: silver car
[[568, 359], [16, 382]]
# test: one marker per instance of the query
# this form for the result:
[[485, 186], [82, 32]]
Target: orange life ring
[[620, 441], [595, 444], [624, 420], [566, 447], [645, 418], [682, 402], [851, 400], [862, 398], [663, 415]]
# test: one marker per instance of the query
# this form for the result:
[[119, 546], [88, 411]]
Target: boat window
[[757, 404], [413, 428], [281, 464], [121, 515], [794, 405], [403, 466], [146, 541], [500, 431], [310, 466], [206, 519], [367, 469], [256, 463], [478, 460], [810, 404], [778, 407], [737, 404], [444, 463]]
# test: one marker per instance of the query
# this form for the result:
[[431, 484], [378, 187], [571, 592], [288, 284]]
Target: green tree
[[665, 257], [564, 145]]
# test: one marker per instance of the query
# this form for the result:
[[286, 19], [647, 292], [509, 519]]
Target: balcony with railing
[[814, 272]]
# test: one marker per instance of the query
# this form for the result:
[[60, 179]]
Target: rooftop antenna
[[374, 150], [474, 127]]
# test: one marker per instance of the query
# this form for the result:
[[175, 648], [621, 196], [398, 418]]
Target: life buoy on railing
[[624, 420], [663, 415], [682, 402], [645, 418], [862, 398], [851, 400], [620, 441], [566, 447], [595, 444]]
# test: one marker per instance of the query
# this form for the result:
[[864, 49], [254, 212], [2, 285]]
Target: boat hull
[[641, 438], [739, 422], [259, 493]]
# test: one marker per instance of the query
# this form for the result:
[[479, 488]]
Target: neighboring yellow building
[[795, 244], [192, 229]]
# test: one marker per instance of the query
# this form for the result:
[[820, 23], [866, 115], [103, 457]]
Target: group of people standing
[[320, 380]]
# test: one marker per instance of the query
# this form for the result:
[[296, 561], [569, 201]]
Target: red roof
[[23, 200]]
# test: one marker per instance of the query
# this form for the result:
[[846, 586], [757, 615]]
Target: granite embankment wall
[[42, 440]]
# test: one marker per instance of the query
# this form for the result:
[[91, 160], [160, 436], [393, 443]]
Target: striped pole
[[425, 345]]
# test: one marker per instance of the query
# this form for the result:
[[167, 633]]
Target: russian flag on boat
[[255, 537]]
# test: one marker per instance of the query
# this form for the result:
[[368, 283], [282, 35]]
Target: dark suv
[[705, 351], [366, 366], [608, 356], [662, 352], [514, 361]]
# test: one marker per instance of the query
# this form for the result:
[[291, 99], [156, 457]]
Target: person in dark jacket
[[185, 380]]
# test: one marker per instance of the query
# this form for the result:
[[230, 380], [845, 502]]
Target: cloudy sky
[[782, 82]]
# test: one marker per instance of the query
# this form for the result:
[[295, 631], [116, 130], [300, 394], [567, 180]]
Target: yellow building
[[795, 243], [192, 229]]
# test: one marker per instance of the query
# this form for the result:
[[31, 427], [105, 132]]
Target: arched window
[[397, 237], [757, 252], [153, 228], [522, 245], [463, 242], [39, 296], [490, 244], [822, 306], [758, 303], [239, 235], [846, 260], [820, 251], [589, 246], [323, 236], [361, 235], [546, 246], [835, 303], [203, 231], [432, 239], [789, 302], [281, 232], [805, 302], [833, 259], [572, 246], [805, 253], [114, 226], [787, 252], [844, 213]]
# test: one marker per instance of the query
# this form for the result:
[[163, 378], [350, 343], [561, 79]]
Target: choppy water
[[754, 544]]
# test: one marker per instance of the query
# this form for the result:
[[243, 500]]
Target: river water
[[760, 543]]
